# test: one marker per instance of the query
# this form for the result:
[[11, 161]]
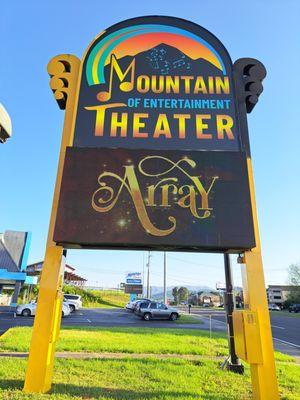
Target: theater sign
[[157, 83], [157, 159], [155, 155]]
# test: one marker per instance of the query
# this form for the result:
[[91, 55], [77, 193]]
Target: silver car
[[156, 310]]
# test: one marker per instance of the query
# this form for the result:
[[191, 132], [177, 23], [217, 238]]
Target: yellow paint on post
[[247, 336], [48, 316], [263, 375]]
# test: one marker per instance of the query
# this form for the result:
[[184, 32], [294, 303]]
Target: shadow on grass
[[93, 392]]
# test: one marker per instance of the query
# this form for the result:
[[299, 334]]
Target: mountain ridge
[[167, 60]]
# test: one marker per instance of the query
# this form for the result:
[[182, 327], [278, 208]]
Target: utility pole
[[165, 277], [233, 363], [143, 294], [148, 276]]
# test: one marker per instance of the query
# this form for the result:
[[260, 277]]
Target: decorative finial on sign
[[63, 70], [249, 76]]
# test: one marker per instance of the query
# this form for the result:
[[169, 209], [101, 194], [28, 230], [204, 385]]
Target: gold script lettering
[[129, 182], [111, 185]]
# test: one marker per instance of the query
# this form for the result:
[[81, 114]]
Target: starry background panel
[[229, 225]]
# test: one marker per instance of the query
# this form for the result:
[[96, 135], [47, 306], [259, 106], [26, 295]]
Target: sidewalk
[[107, 355]]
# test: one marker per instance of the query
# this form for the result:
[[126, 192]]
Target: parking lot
[[96, 317]]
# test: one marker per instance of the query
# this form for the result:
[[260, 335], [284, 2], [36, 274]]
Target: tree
[[183, 293], [294, 274], [175, 294], [199, 297], [294, 280]]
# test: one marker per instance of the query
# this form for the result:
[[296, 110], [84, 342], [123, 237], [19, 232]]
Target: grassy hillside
[[99, 298]]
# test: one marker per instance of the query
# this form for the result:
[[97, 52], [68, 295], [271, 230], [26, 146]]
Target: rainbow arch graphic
[[132, 40]]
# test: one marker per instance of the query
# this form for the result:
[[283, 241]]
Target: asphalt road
[[285, 327], [107, 317]]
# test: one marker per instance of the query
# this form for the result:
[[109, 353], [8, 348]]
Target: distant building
[[211, 298], [70, 276], [278, 294], [14, 249], [5, 125]]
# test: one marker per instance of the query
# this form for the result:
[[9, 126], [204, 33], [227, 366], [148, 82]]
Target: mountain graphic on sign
[[166, 60]]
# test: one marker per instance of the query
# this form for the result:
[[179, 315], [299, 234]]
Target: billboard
[[158, 158], [134, 278], [134, 289]]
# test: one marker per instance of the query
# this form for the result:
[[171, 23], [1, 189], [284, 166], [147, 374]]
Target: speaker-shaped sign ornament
[[159, 142]]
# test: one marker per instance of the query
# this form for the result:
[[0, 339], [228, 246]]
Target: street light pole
[[233, 364], [165, 277], [148, 276]]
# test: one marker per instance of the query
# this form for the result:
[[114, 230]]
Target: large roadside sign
[[158, 160], [155, 154]]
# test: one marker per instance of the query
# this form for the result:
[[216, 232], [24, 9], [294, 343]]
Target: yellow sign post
[[64, 72], [210, 115], [252, 328]]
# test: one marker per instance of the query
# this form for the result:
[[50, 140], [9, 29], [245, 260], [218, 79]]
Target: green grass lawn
[[188, 319], [99, 298], [285, 314], [125, 340], [139, 379], [107, 298]]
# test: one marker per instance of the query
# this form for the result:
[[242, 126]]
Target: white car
[[131, 305], [74, 301], [274, 307], [29, 309]]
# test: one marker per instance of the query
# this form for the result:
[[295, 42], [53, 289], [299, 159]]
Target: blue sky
[[32, 32]]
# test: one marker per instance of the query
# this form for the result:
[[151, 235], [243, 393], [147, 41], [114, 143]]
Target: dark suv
[[294, 308], [154, 310]]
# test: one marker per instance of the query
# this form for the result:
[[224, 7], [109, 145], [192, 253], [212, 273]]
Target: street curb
[[4, 333], [120, 356], [108, 355]]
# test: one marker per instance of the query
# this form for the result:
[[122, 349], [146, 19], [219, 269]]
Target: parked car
[[274, 307], [29, 309], [74, 301], [154, 310], [294, 308], [70, 305], [131, 305], [141, 304]]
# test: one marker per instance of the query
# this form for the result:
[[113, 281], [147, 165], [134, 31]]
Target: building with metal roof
[[70, 275], [14, 249], [5, 125]]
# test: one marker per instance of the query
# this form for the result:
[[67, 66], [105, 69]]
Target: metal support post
[[263, 375], [15, 295], [148, 276], [233, 363], [165, 278], [48, 315]]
